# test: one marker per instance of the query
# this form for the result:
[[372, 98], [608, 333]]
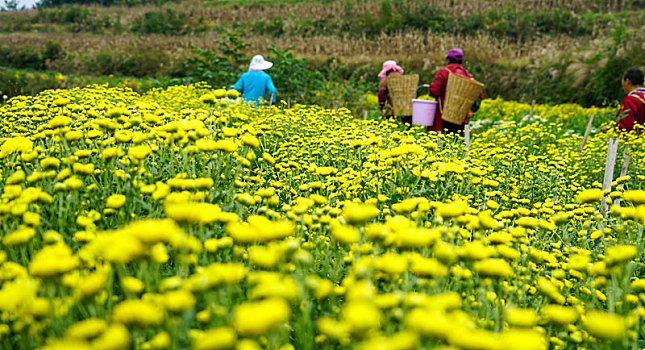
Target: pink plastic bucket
[[423, 112]]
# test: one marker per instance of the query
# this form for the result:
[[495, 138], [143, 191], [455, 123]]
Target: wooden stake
[[559, 157], [584, 139], [612, 149], [364, 119], [336, 108], [623, 171], [210, 114], [528, 120], [271, 99], [467, 138]]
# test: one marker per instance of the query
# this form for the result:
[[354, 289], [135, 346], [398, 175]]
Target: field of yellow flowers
[[180, 219]]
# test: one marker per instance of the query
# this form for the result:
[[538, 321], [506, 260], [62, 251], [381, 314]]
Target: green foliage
[[508, 22], [15, 24], [589, 81], [165, 22], [238, 3], [291, 76], [309, 27], [35, 57], [342, 83], [274, 27], [218, 68], [55, 3], [620, 53], [136, 63], [75, 18]]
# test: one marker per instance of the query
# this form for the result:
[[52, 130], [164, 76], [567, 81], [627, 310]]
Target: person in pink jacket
[[390, 69]]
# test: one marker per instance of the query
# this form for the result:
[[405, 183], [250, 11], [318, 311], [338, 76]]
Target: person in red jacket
[[632, 110], [454, 58]]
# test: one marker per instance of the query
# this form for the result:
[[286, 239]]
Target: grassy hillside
[[552, 51]]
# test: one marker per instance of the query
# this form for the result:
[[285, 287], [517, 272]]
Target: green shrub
[[75, 18], [291, 75], [56, 3], [136, 63], [168, 22], [15, 24], [218, 68], [274, 27], [20, 57], [28, 56], [507, 21]]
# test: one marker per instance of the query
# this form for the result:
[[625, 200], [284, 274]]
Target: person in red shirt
[[632, 110], [454, 58]]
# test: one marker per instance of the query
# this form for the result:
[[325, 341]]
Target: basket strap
[[464, 69], [439, 97], [637, 97]]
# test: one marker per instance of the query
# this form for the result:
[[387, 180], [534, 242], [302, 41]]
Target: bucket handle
[[421, 86]]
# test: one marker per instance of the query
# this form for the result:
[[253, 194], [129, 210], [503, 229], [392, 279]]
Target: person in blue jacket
[[256, 85]]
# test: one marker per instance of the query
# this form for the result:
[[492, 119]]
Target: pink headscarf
[[387, 66]]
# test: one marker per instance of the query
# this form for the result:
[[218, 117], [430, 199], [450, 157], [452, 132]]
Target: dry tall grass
[[427, 47], [345, 8], [338, 9]]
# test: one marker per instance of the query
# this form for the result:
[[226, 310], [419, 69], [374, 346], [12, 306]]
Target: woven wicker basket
[[402, 89], [461, 93]]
